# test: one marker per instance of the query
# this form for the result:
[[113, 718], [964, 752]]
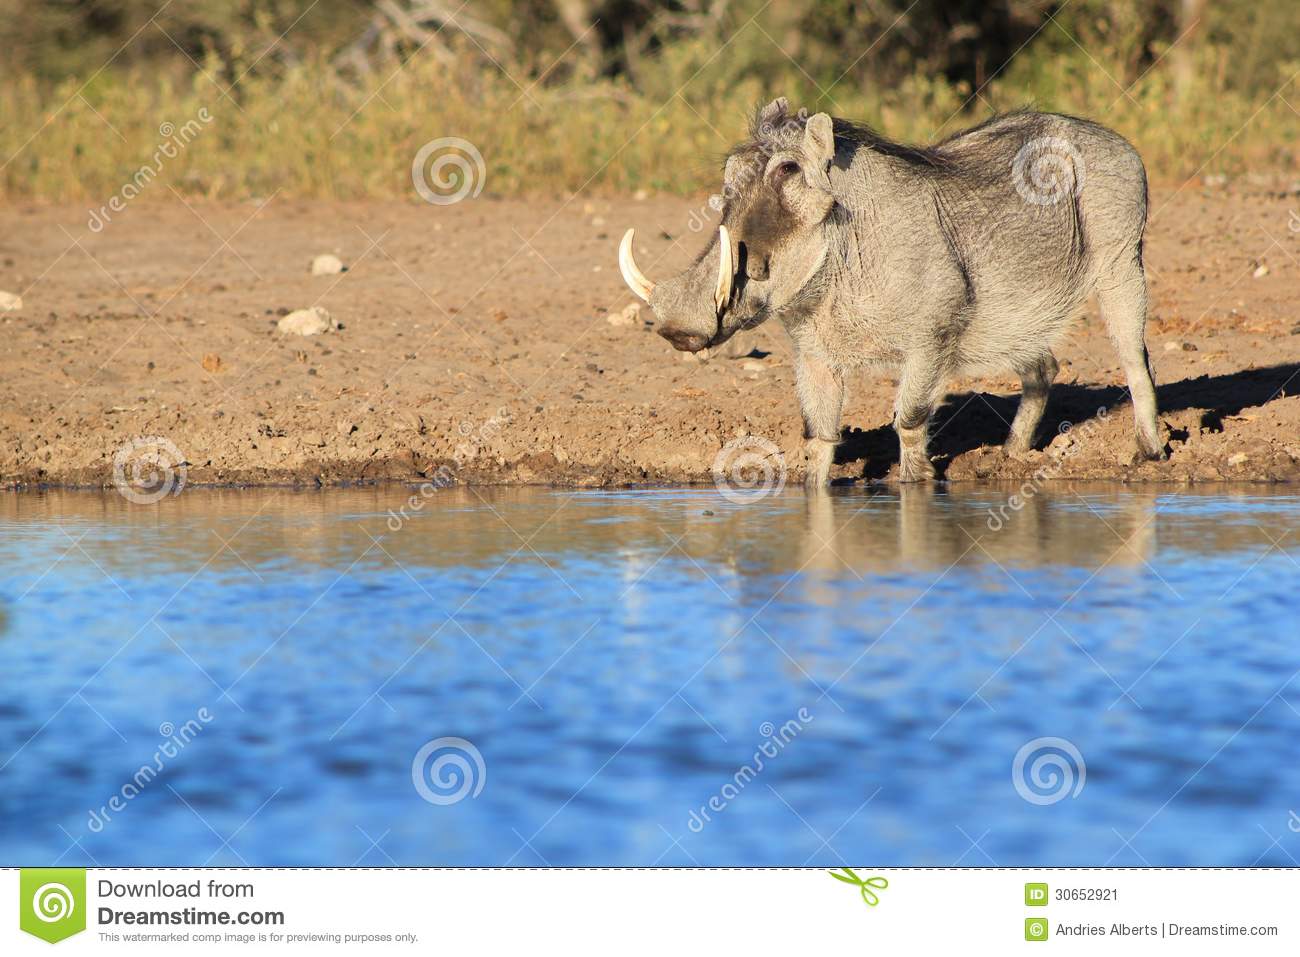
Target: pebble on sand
[[307, 322], [630, 316], [10, 302], [1239, 459], [326, 264]]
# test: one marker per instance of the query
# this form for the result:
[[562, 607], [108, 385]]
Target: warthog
[[971, 255]]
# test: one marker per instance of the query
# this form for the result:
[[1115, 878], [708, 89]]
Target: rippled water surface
[[650, 677]]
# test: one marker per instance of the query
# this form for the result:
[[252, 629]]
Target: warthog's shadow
[[972, 420]]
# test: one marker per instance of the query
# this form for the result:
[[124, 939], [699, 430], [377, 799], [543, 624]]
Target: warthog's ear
[[819, 141]]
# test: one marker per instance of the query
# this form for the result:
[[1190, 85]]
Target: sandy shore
[[476, 346]]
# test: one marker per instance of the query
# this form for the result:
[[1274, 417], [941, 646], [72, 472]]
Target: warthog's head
[[776, 198]]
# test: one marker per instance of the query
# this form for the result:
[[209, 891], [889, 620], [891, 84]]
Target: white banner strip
[[653, 912]]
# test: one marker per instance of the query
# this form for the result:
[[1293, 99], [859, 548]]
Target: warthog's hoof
[[1149, 455], [915, 467], [1017, 447]]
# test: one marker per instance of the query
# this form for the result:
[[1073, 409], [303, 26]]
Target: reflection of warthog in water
[[970, 255]]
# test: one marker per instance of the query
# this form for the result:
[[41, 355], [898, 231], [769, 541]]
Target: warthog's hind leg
[[1123, 299], [1035, 381], [918, 391], [821, 400]]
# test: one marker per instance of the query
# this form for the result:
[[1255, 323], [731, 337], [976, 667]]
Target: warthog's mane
[[771, 133]]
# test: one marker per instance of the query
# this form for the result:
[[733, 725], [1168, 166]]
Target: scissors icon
[[868, 895]]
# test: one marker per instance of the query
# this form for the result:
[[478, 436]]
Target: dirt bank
[[476, 339]]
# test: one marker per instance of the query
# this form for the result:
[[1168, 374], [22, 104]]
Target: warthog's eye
[[784, 171]]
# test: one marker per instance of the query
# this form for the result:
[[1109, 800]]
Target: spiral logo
[[1048, 770], [749, 468], [1293, 221], [766, 729], [53, 902], [446, 771], [1065, 428], [1046, 170], [166, 128], [447, 170], [166, 729], [148, 469]]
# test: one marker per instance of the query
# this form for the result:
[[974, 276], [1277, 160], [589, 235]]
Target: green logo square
[[1035, 895], [1035, 928], [52, 902]]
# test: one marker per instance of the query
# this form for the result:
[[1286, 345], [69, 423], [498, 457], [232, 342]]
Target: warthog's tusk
[[637, 282], [726, 269]]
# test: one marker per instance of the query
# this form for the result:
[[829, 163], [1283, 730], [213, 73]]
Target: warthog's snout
[[684, 341], [688, 306]]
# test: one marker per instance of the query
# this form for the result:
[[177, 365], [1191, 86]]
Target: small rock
[[346, 428], [327, 264], [598, 220], [1189, 347], [307, 322], [1238, 459], [630, 316], [1260, 271], [212, 363], [1172, 346], [9, 302], [752, 366]]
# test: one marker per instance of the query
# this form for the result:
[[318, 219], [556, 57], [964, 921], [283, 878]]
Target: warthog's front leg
[[918, 390], [821, 399]]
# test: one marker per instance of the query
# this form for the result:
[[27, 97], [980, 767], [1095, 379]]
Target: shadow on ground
[[970, 420]]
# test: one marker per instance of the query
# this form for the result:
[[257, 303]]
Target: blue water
[[615, 662]]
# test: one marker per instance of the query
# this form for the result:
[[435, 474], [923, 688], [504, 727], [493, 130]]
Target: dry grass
[[304, 134]]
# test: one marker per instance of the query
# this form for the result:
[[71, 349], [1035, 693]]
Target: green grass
[[304, 134]]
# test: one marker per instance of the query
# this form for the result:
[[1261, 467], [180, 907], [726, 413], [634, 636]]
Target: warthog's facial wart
[[766, 254]]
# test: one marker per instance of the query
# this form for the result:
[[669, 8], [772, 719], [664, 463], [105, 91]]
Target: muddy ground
[[476, 340]]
